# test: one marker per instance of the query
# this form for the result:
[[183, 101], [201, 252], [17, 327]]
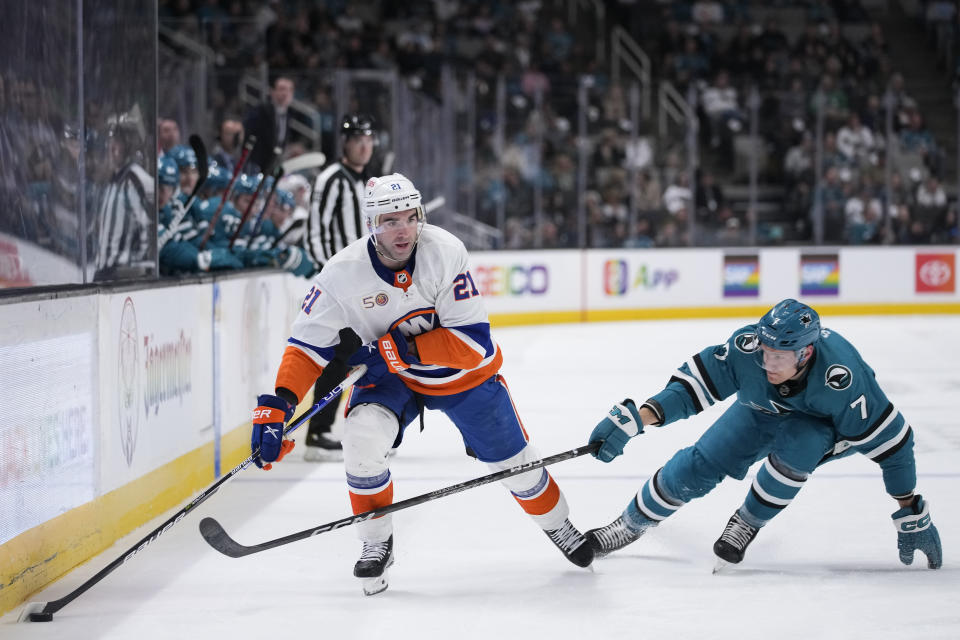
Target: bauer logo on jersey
[[838, 377], [746, 342]]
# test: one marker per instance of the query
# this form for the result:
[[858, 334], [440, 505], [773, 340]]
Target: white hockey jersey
[[433, 300]]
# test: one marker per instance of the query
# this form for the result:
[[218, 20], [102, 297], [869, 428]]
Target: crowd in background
[[826, 59]]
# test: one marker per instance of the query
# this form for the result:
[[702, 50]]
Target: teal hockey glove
[[915, 531], [620, 424]]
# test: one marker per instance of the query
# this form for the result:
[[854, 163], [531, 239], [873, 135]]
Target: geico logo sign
[[513, 280], [618, 278]]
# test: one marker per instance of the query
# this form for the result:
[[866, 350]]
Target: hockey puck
[[40, 616]]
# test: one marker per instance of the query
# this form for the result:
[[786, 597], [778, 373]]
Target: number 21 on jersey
[[464, 287], [312, 296]]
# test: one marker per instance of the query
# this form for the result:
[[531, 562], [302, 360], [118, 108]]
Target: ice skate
[[615, 535], [372, 566], [322, 448], [572, 543], [733, 542]]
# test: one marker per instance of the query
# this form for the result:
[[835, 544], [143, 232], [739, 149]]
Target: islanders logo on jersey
[[417, 322], [838, 377]]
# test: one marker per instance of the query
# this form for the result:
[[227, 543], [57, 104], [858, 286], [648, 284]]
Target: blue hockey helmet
[[167, 172], [217, 178], [245, 185], [184, 156], [789, 326], [286, 199]]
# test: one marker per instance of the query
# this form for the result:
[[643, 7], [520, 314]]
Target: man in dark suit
[[270, 122]]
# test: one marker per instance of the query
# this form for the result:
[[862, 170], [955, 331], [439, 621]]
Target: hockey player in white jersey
[[405, 289]]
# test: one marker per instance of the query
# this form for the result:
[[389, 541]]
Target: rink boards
[[122, 403]]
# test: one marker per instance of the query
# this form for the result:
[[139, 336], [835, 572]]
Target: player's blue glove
[[915, 530], [619, 425], [269, 418], [388, 354]]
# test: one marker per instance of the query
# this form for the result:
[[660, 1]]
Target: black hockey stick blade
[[203, 163], [215, 535]]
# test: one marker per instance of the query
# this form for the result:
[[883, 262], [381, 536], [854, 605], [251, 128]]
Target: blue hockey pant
[[793, 445]]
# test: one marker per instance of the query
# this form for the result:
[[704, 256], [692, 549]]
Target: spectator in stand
[[677, 196], [725, 116], [857, 143], [834, 198], [832, 157], [836, 107], [706, 12], [930, 208], [709, 201], [168, 135], [228, 149], [609, 155], [269, 122], [874, 50], [916, 138], [903, 104], [798, 163], [691, 64], [793, 105], [646, 191], [862, 213]]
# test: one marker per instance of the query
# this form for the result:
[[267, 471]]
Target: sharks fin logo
[[838, 377]]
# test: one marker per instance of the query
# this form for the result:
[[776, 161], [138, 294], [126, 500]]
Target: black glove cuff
[[289, 396]]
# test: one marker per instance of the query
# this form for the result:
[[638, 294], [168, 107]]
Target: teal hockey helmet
[[789, 326], [168, 173]]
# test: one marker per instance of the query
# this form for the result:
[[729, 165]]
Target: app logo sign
[[936, 273], [512, 280], [819, 275], [619, 279], [741, 276]]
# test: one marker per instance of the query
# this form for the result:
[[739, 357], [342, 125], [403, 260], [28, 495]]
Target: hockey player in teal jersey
[[268, 240], [179, 253], [804, 397]]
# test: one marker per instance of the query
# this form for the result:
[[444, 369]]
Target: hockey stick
[[203, 169], [277, 176], [43, 611], [310, 160], [216, 537], [434, 204], [256, 195], [247, 148]]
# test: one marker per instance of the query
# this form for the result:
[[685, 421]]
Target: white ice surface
[[474, 566]]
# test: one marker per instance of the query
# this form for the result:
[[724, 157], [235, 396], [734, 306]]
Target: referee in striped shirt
[[126, 214], [335, 221]]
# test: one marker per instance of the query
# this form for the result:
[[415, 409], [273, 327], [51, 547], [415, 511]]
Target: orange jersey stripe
[[463, 383], [544, 502], [298, 372], [364, 503], [441, 347]]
